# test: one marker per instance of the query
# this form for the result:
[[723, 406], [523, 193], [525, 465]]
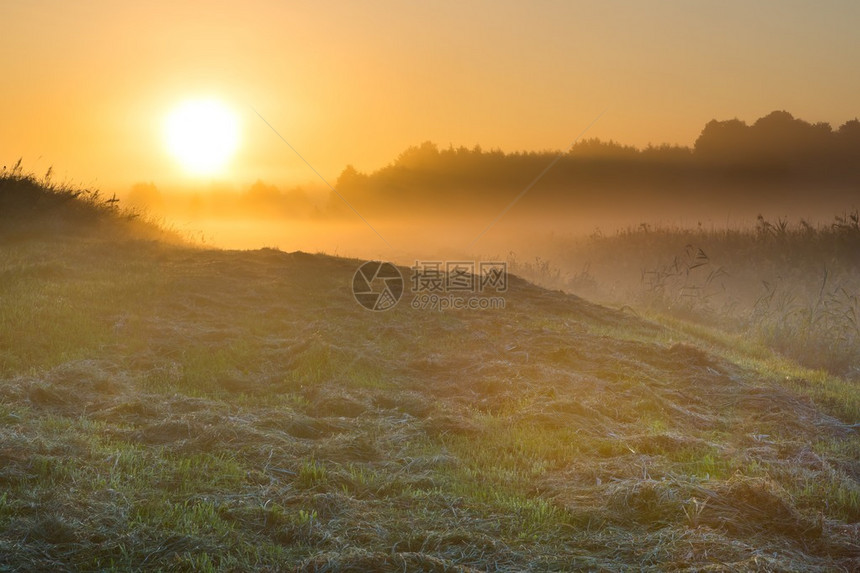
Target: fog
[[750, 218], [432, 201]]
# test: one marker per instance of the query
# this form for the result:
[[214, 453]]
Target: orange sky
[[86, 85]]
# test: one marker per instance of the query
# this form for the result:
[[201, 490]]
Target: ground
[[172, 407]]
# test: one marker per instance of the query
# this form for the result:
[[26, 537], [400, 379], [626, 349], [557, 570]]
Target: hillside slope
[[167, 407]]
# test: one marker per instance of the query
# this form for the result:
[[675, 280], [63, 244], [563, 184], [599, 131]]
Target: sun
[[202, 135]]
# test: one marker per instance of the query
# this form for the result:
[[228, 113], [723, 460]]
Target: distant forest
[[777, 161], [777, 156]]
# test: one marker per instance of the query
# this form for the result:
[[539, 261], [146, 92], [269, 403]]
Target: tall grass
[[37, 206], [792, 286]]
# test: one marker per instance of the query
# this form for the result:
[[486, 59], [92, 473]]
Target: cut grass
[[184, 409]]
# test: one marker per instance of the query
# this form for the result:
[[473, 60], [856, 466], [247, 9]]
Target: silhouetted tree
[[776, 150]]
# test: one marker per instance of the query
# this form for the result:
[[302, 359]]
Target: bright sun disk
[[202, 135]]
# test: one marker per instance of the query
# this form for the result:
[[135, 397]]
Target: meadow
[[793, 286], [171, 407]]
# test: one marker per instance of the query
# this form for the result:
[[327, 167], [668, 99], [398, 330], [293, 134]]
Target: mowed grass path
[[165, 407]]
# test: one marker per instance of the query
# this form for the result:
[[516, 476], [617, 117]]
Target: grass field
[[792, 286], [170, 407]]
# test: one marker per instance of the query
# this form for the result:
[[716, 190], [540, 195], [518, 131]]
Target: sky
[[86, 86]]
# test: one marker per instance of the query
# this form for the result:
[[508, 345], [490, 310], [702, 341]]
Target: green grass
[[173, 408]]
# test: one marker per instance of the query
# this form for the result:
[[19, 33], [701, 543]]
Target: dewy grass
[[170, 408], [837, 395]]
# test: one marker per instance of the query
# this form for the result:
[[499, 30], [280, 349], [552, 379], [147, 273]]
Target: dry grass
[[791, 286], [182, 409]]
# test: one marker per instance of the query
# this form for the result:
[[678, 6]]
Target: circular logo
[[377, 285]]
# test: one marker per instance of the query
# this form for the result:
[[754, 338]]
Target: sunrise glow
[[202, 135]]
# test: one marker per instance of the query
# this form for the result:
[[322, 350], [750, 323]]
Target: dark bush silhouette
[[32, 206]]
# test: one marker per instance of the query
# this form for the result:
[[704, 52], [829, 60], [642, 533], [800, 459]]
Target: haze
[[86, 86], [412, 286]]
